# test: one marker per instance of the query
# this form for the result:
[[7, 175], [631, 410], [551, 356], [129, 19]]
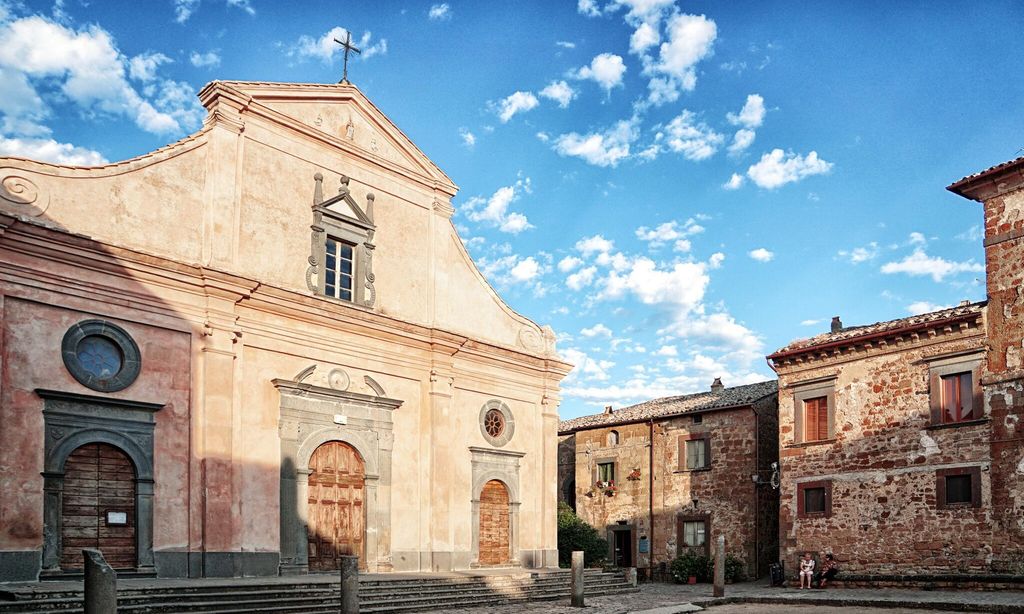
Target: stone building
[[900, 442], [668, 475], [261, 347]]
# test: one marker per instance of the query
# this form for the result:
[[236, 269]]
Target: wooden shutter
[[816, 419]]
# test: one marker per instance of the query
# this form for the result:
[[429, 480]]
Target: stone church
[[261, 347]]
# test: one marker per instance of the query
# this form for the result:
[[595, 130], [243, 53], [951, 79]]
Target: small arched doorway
[[495, 524], [336, 512], [98, 507]]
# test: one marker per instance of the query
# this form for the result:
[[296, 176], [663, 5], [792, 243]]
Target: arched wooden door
[[495, 524], [98, 506], [336, 514]]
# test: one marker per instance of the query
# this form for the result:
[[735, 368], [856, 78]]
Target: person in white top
[[806, 570]]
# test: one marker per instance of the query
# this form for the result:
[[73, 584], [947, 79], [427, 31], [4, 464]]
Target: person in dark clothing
[[829, 569]]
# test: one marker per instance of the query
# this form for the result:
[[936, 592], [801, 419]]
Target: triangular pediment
[[344, 116], [345, 205]]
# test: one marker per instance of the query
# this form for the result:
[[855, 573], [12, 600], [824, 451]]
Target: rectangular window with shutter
[[816, 419], [694, 452], [957, 397]]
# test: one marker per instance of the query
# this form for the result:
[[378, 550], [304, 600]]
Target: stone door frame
[[72, 420], [611, 531], [503, 466], [314, 415]]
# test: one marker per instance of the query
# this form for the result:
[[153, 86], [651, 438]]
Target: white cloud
[[778, 168], [588, 8], [440, 12], [606, 148], [606, 69], [919, 307], [735, 182], [49, 150], [667, 350], [695, 140], [761, 255], [586, 368], [752, 113], [670, 231], [525, 270], [559, 91], [680, 285], [566, 44], [468, 138], [569, 263], [919, 263], [715, 261], [860, 254], [209, 59], [644, 37], [581, 279], [594, 244], [917, 238], [743, 139], [689, 40], [143, 67], [494, 211], [518, 102], [598, 330], [183, 9], [325, 49], [89, 71], [810, 322], [973, 234]]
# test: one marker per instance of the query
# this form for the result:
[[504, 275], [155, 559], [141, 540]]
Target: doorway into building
[[98, 507], [495, 524], [622, 547], [336, 510]]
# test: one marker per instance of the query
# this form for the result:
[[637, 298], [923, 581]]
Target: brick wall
[[882, 460]]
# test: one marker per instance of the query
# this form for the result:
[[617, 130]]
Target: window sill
[[692, 470], [812, 516], [816, 442], [959, 506], [953, 425]]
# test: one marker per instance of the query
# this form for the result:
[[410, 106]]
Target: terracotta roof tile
[[853, 332], [992, 169], [671, 406]]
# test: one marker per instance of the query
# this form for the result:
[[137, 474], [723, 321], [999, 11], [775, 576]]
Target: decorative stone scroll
[[21, 193]]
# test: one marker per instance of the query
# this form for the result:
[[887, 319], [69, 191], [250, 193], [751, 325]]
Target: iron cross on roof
[[347, 44]]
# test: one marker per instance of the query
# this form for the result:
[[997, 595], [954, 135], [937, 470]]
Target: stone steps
[[376, 596]]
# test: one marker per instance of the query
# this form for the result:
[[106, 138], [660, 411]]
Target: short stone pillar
[[577, 578], [100, 584], [631, 576], [720, 567], [349, 584]]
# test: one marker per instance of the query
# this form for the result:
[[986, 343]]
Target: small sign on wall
[[644, 546], [117, 518]]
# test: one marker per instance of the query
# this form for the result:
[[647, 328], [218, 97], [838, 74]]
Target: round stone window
[[496, 423], [101, 355]]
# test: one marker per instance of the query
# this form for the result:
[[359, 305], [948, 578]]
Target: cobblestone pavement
[[789, 600]]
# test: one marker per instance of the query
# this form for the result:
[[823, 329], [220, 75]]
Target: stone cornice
[[330, 394]]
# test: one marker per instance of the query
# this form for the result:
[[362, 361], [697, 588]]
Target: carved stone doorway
[[336, 506], [495, 524], [98, 507]]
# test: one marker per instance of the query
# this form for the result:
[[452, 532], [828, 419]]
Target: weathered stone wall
[[882, 463], [724, 493], [1004, 374], [567, 469]]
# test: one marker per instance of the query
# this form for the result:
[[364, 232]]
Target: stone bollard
[[349, 584], [631, 576], [720, 567], [577, 578], [100, 584]]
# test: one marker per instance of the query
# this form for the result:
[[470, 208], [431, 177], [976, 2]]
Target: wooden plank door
[[99, 493], [336, 510], [495, 524]]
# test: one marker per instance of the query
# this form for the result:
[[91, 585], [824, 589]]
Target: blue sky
[[677, 188]]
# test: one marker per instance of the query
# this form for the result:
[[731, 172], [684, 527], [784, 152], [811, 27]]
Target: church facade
[[262, 347]]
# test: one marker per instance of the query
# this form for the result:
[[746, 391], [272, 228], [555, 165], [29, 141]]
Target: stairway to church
[[376, 594]]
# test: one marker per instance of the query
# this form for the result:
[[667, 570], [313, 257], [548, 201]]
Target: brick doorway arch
[[495, 524], [336, 506], [98, 507]]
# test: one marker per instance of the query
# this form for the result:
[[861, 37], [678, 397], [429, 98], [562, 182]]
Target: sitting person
[[829, 569], [806, 570]]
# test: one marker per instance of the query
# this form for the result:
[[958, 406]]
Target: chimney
[[837, 324], [607, 409], [965, 303], [717, 385]]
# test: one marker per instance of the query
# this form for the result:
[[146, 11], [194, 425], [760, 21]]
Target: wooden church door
[[495, 524], [98, 507], [336, 514]]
